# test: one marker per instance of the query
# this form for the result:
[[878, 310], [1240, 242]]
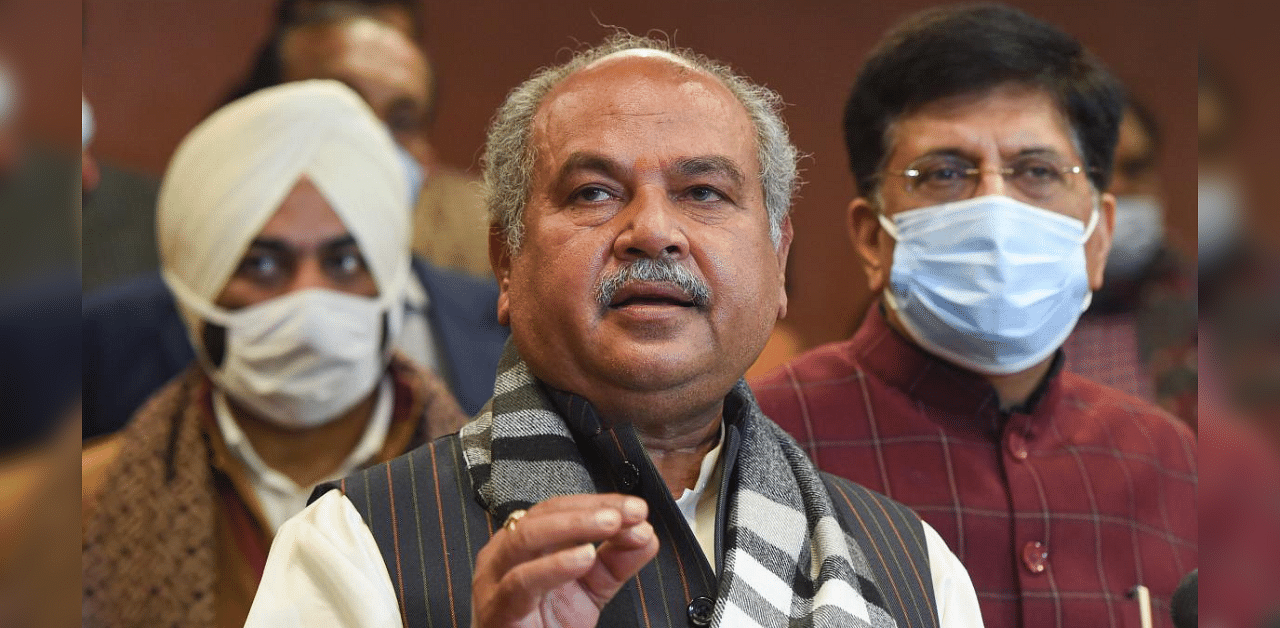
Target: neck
[[306, 456], [1013, 389], [678, 447]]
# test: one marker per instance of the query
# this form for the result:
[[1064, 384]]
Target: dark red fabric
[[1104, 482], [1240, 513], [1104, 348]]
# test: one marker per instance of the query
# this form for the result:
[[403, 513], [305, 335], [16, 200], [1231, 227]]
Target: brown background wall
[[153, 68]]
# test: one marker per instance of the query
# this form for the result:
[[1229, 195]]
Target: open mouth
[[651, 294]]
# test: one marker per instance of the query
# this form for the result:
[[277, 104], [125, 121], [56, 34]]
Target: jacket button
[[628, 476], [701, 610], [1035, 556], [1017, 447]]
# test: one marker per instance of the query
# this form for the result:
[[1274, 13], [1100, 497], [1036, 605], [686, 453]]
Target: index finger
[[559, 523], [632, 508]]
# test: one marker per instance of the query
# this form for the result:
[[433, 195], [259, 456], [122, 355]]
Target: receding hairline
[[680, 64]]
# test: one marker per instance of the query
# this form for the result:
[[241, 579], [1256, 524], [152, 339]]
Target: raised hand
[[545, 571]]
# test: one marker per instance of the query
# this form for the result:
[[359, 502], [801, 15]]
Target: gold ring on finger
[[510, 523]]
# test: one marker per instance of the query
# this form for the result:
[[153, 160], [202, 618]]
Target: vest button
[[628, 476], [1035, 556], [701, 610]]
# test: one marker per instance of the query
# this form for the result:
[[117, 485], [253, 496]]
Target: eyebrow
[[710, 164], [1032, 151], [593, 162]]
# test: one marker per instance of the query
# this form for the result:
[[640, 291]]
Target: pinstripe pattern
[[431, 567], [1105, 482]]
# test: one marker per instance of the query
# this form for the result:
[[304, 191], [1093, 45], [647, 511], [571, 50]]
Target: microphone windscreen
[[1184, 606]]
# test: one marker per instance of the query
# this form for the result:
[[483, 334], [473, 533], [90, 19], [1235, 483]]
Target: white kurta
[[325, 568]]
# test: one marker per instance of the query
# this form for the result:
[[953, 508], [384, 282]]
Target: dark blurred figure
[[1239, 288], [1240, 371], [39, 287], [118, 224], [39, 323], [1139, 334]]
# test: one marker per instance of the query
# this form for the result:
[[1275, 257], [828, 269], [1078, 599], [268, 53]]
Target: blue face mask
[[990, 283], [413, 174]]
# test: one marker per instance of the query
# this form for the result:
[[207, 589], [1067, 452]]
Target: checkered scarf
[[787, 561]]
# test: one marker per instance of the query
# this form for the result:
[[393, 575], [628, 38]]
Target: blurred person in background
[[1239, 288], [454, 330], [981, 140], [283, 231], [373, 45], [1240, 385], [39, 321], [39, 295], [1139, 333]]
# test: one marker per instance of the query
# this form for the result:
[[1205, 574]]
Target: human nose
[[989, 182], [310, 274], [653, 229]]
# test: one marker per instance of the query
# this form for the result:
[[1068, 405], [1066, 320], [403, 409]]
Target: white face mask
[[1219, 227], [990, 283], [302, 359], [1138, 236]]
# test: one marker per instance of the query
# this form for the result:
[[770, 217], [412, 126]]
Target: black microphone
[[1185, 603]]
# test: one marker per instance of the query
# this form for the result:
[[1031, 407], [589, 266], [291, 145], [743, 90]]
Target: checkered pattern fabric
[[1104, 348], [1057, 513]]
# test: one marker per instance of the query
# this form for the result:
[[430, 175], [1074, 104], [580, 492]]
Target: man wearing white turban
[[283, 227]]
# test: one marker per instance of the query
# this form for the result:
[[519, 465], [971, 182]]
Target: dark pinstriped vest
[[429, 522]]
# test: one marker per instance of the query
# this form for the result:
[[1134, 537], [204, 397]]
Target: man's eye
[[942, 174], [347, 263], [260, 265], [592, 195], [704, 194], [1037, 171]]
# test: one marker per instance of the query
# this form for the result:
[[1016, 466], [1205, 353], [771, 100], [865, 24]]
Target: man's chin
[[655, 366]]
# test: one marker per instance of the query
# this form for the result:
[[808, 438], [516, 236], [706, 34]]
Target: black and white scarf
[[785, 555]]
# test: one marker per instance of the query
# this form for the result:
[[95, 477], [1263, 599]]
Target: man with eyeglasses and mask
[[284, 237], [981, 140]]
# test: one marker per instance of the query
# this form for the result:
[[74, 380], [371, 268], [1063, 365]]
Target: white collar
[[371, 442]]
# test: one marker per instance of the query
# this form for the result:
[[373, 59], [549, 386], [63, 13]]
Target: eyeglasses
[[948, 178]]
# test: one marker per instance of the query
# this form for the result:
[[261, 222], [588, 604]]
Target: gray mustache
[[661, 270]]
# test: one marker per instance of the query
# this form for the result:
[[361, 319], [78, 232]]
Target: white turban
[[231, 173]]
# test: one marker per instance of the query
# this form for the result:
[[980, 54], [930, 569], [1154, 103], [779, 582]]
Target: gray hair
[[509, 154]]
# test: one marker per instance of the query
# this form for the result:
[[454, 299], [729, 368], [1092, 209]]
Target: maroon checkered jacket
[[1057, 513]]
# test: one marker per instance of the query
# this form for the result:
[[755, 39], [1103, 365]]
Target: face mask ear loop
[[888, 226], [1093, 223]]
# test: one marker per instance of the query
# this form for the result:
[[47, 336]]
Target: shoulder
[[816, 377], [832, 362], [457, 293], [1118, 420], [849, 497], [432, 473], [139, 296]]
